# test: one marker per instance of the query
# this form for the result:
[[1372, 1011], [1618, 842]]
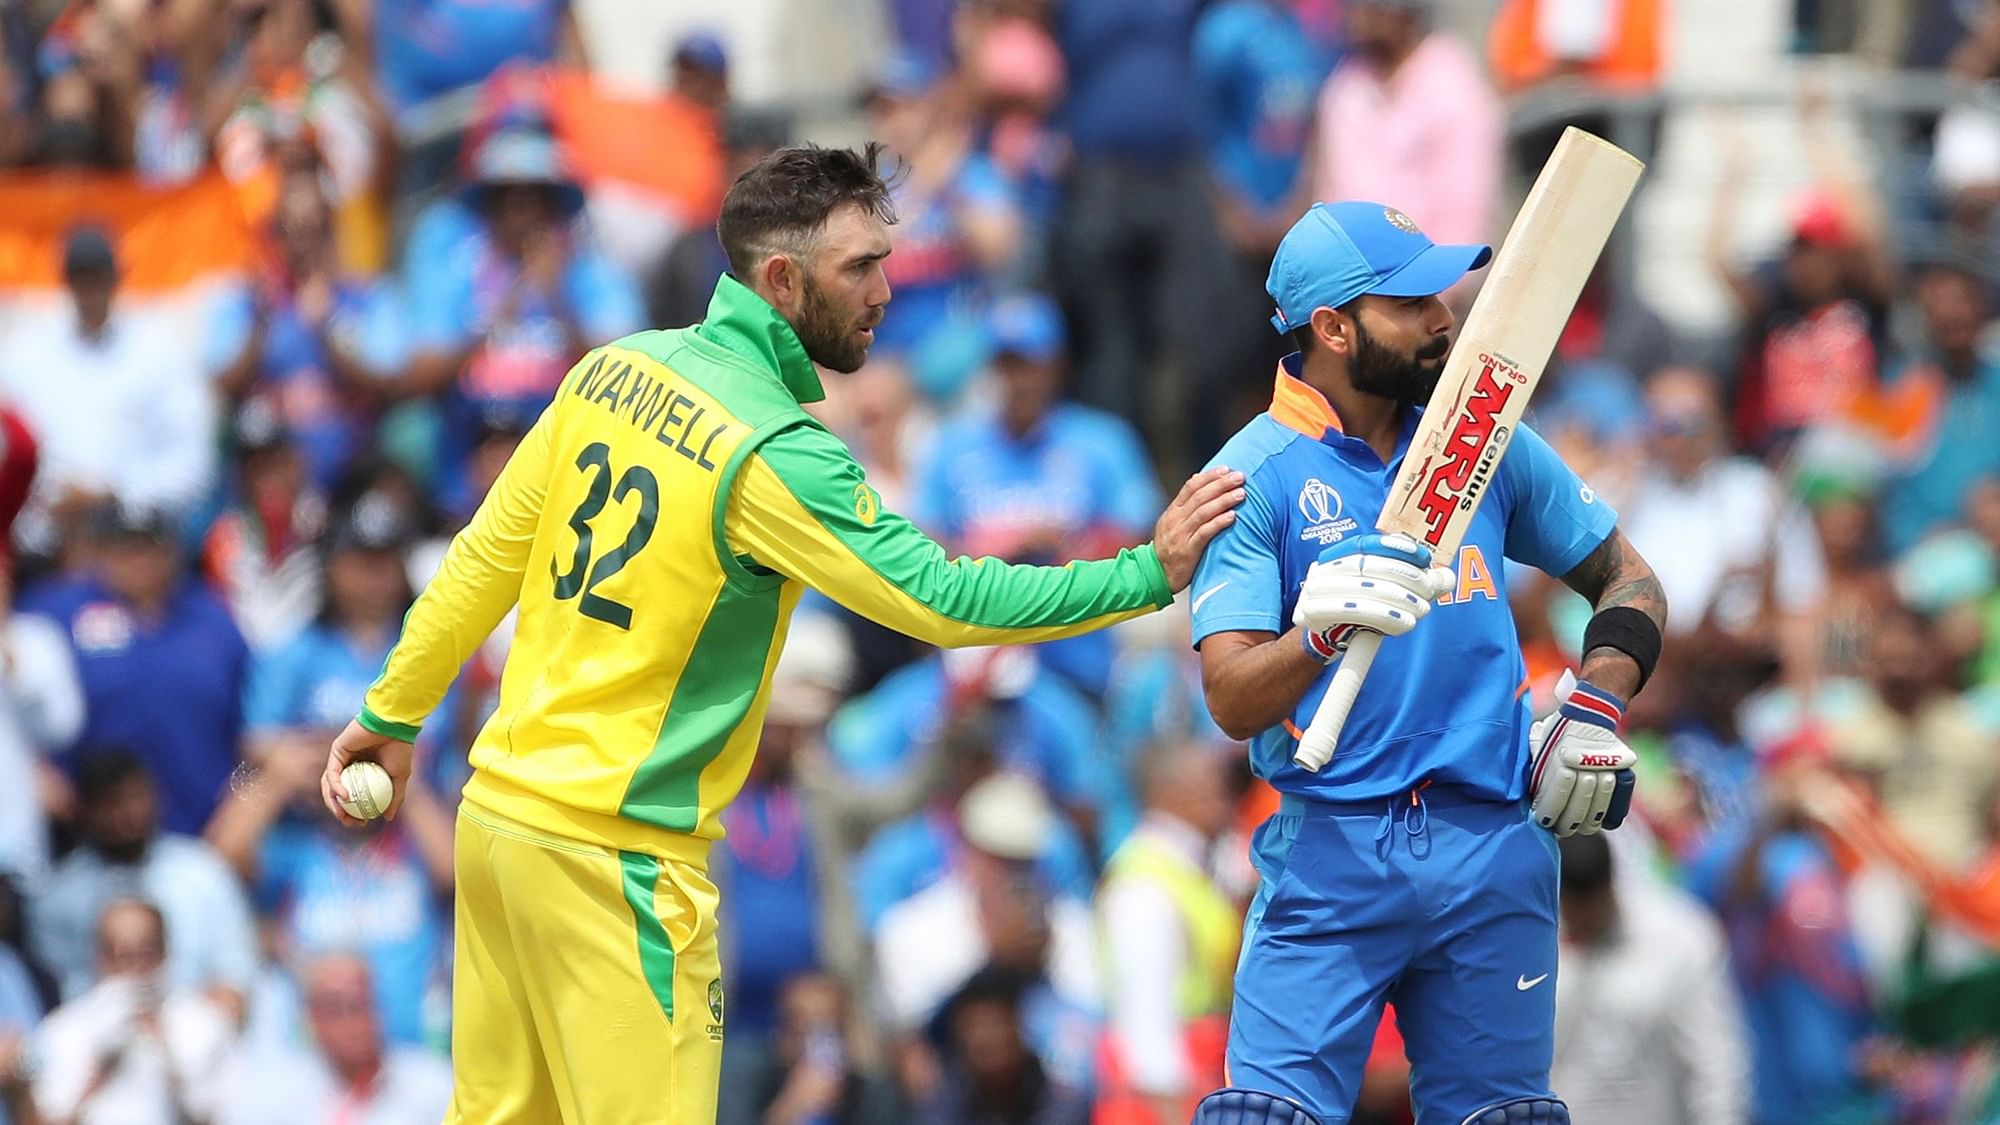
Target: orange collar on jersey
[[1296, 405]]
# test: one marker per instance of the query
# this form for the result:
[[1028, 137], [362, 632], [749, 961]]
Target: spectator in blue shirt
[[305, 690], [161, 662], [1032, 722], [506, 291], [430, 47], [1258, 78], [1012, 78], [1959, 450], [320, 346], [958, 227], [1037, 479], [767, 864], [1140, 262], [385, 893], [1793, 952], [783, 865], [123, 854]]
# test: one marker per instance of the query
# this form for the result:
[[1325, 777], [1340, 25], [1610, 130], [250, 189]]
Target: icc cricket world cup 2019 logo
[[1322, 508]]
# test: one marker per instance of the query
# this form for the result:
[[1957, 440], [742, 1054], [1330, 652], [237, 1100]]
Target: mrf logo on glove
[[1582, 775]]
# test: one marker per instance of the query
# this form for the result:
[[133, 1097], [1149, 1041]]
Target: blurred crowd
[[984, 886]]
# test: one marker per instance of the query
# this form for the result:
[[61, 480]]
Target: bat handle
[[1317, 744]]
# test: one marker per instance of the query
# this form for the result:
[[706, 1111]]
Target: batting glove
[[1582, 779], [1381, 582]]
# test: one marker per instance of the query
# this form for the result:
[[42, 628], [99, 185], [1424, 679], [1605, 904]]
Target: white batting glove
[[1582, 779], [1379, 582]]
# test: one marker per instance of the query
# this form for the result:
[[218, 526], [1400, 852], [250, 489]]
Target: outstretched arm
[[1615, 575], [801, 507]]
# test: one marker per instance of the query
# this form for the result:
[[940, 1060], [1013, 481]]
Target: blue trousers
[[1439, 902]]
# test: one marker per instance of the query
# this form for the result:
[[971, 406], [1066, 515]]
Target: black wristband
[[1629, 631]]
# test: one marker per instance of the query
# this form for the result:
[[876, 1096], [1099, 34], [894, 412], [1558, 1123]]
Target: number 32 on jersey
[[586, 570]]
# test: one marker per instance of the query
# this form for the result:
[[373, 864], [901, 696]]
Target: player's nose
[[1438, 319]]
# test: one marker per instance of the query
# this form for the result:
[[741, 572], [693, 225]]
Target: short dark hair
[[1586, 864], [1955, 264], [992, 984], [100, 769], [781, 203]]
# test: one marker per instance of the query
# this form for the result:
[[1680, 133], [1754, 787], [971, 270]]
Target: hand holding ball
[[357, 784], [369, 790]]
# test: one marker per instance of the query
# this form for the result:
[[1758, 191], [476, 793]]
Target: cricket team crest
[[715, 1008], [1400, 221]]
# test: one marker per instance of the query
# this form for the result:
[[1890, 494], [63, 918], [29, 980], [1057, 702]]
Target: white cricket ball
[[369, 790]]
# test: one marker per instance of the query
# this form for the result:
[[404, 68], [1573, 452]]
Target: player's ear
[[783, 280], [1334, 330]]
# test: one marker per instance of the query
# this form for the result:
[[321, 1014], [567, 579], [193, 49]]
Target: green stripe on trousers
[[656, 953]]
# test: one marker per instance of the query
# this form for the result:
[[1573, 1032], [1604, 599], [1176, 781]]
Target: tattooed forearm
[[1615, 575]]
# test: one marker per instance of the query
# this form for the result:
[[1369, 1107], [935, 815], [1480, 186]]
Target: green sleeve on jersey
[[800, 506], [376, 724]]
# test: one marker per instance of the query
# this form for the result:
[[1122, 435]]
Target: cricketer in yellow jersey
[[655, 530]]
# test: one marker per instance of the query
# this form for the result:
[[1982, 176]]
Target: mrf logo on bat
[[1471, 448]]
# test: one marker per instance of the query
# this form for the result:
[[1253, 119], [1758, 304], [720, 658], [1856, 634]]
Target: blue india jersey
[[1444, 704]]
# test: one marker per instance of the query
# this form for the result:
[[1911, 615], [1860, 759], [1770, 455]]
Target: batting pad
[[1231, 1106], [1522, 1111]]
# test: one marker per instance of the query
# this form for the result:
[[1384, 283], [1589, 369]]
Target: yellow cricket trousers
[[587, 986]]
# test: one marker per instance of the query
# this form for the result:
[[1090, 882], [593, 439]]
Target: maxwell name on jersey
[[653, 405]]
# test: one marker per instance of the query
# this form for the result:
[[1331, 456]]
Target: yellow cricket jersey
[[656, 528]]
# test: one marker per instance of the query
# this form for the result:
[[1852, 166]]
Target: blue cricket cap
[[1340, 251], [1028, 325], [522, 154], [703, 51]]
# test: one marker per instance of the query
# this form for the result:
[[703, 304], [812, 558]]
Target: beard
[[124, 852], [1406, 377], [828, 332]]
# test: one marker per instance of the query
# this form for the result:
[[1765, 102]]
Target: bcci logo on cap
[[1400, 221], [1322, 507]]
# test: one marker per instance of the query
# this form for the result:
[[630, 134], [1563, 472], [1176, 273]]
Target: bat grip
[[1316, 745]]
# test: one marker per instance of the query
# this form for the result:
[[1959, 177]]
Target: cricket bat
[[1493, 368]]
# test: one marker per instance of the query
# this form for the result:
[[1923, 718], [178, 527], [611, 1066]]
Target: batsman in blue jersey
[[1418, 867]]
